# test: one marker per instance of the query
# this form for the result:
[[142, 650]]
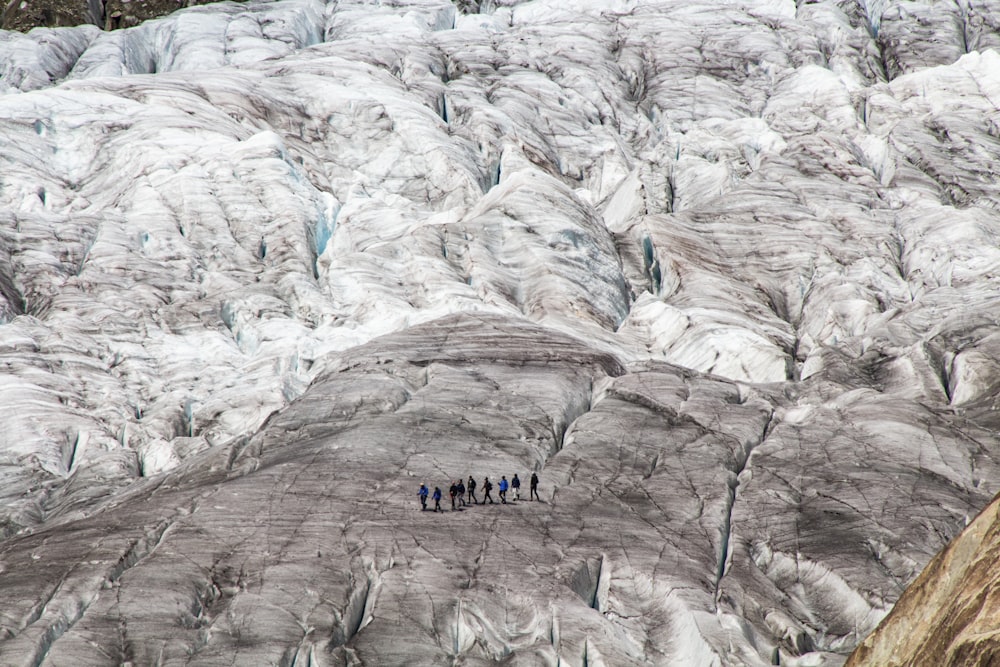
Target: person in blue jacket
[[437, 499], [423, 497], [503, 490]]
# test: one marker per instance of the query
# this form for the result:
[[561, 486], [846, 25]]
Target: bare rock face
[[948, 615], [723, 276], [25, 15]]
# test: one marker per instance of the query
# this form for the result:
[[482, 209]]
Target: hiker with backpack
[[472, 490]]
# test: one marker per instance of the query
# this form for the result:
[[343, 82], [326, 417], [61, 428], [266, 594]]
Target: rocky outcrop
[[106, 14], [948, 615], [24, 16]]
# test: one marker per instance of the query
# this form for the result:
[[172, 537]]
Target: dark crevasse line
[[726, 529], [139, 550]]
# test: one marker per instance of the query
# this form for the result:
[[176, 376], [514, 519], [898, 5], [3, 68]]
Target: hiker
[[437, 499], [423, 497], [516, 485], [503, 490], [452, 491], [460, 487], [472, 490], [487, 487], [534, 487]]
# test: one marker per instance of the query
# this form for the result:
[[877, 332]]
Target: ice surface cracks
[[70, 606], [734, 192], [727, 527]]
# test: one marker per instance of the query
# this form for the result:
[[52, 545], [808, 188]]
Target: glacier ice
[[725, 274]]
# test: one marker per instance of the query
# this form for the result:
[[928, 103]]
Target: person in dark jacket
[[516, 485], [487, 487], [437, 499], [423, 497], [472, 490], [534, 487], [453, 491], [503, 489], [460, 487]]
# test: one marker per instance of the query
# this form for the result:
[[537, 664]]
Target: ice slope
[[725, 274]]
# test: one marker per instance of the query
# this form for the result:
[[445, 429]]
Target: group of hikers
[[459, 489]]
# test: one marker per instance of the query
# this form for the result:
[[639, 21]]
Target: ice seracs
[[724, 274]]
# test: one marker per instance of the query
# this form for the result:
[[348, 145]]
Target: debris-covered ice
[[724, 274]]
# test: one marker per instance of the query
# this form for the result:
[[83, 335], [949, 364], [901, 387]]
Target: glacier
[[724, 274]]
